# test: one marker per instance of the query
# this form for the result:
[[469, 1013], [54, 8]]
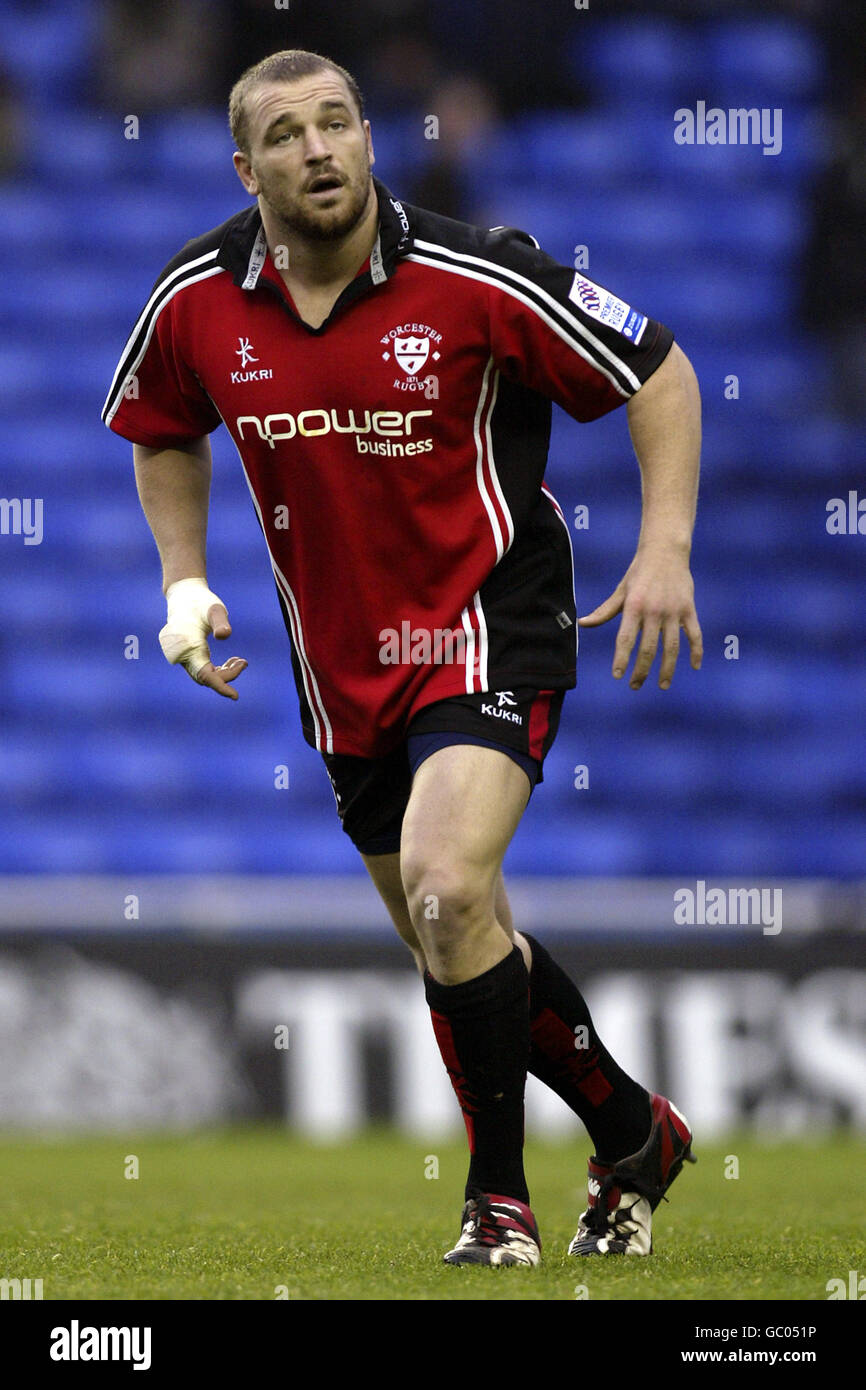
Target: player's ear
[[369, 134], [244, 171]]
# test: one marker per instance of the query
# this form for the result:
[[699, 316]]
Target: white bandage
[[184, 637]]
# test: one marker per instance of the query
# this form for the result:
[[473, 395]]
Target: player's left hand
[[656, 595]]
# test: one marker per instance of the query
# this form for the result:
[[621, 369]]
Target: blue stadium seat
[[35, 223], [111, 299], [773, 376], [71, 147], [195, 145], [763, 60], [29, 767], [50, 46], [590, 842], [734, 302], [549, 151], [765, 222], [819, 445], [651, 224], [52, 841], [141, 225], [400, 147], [619, 774], [633, 61], [630, 149], [760, 521], [23, 373]]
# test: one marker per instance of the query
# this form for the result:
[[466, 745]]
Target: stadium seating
[[117, 764]]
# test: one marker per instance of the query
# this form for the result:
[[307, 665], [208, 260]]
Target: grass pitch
[[257, 1214]]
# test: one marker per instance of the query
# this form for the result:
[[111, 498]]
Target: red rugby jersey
[[396, 454]]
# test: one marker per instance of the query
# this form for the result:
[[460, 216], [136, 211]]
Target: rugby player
[[387, 377]]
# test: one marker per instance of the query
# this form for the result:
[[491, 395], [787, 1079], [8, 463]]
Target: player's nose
[[316, 146]]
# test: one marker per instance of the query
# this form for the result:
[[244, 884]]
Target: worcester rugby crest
[[411, 347], [411, 353]]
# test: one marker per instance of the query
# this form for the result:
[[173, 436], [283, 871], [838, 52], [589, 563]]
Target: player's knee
[[444, 899]]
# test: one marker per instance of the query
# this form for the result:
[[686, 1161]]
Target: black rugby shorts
[[372, 793]]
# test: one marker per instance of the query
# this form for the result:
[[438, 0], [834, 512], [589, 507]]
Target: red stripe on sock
[[556, 1040], [445, 1039]]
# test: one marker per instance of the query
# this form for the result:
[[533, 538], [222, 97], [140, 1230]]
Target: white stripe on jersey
[[482, 642], [556, 507], [127, 367], [483, 395], [491, 465], [470, 651], [307, 672], [522, 289]]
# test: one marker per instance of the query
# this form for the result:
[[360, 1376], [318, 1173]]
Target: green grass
[[235, 1214]]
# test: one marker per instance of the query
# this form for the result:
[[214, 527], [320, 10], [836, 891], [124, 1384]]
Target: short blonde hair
[[285, 66]]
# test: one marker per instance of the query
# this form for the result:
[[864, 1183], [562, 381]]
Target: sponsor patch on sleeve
[[600, 304]]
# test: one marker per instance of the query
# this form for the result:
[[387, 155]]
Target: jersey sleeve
[[559, 333], [156, 398]]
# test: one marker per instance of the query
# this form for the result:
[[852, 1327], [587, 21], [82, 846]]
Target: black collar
[[243, 248]]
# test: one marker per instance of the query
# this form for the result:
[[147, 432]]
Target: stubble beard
[[327, 224]]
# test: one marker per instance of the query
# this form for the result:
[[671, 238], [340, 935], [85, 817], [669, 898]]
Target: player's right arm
[[174, 489]]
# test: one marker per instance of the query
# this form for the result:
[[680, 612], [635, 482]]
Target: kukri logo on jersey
[[246, 353]]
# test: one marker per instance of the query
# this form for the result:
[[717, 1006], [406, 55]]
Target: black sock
[[578, 1067], [482, 1028]]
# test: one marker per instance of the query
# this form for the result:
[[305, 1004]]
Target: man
[[386, 375]]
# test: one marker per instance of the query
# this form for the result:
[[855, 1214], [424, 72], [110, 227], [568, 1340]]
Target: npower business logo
[[390, 425]]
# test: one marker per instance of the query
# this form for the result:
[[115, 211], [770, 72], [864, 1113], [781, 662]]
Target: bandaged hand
[[194, 612]]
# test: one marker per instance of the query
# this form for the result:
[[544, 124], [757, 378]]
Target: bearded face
[[329, 203], [310, 156]]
